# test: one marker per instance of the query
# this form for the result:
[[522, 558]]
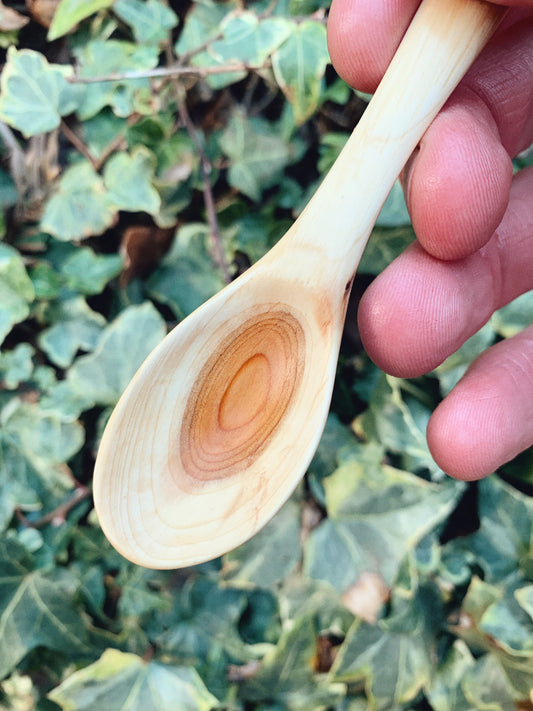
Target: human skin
[[474, 225]]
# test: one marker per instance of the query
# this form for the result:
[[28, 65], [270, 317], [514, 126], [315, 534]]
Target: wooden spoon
[[221, 421]]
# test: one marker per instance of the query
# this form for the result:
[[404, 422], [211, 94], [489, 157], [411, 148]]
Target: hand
[[474, 224]]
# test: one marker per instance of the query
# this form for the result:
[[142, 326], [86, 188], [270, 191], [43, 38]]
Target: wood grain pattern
[[241, 395], [218, 426]]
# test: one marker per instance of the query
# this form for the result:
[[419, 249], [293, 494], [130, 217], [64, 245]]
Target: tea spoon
[[219, 424]]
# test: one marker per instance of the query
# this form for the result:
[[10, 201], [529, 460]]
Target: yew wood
[[221, 421]]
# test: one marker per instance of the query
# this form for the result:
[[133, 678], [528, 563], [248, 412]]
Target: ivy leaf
[[62, 400], [246, 39], [464, 683], [34, 448], [119, 680], [75, 327], [258, 154], [35, 94], [78, 268], [486, 686], [202, 25], [177, 170], [150, 21], [127, 94], [269, 556], [202, 629], [69, 12], [250, 39], [41, 438], [203, 616], [87, 272], [481, 619], [507, 622], [187, 276], [46, 281], [17, 482], [398, 420], [299, 66], [445, 692], [128, 179], [80, 208], [136, 597], [103, 375], [286, 673], [16, 290], [504, 541], [376, 515], [256, 232], [37, 609], [102, 130], [337, 445], [393, 665], [16, 365]]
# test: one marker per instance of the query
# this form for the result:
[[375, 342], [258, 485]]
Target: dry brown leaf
[[142, 248], [366, 596], [311, 517], [42, 11], [11, 19], [326, 651]]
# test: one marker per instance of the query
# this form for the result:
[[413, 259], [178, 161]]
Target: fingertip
[[458, 183], [363, 36], [419, 310], [462, 437], [487, 418]]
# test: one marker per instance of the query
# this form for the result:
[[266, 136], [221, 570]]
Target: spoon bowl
[[220, 423], [198, 447]]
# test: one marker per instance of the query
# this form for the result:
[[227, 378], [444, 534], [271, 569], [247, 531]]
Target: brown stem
[[187, 56], [116, 144], [59, 513], [173, 71], [205, 169], [78, 143], [209, 201]]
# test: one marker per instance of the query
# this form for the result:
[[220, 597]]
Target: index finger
[[363, 35]]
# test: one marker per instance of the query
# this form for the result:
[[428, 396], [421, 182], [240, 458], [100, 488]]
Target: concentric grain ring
[[241, 395]]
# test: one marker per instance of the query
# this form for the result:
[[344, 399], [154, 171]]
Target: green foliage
[[299, 65], [80, 208], [70, 12], [35, 94], [125, 680], [258, 154], [376, 515], [38, 609], [16, 289], [165, 147], [150, 21]]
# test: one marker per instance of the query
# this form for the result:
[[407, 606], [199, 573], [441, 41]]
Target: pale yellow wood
[[218, 426]]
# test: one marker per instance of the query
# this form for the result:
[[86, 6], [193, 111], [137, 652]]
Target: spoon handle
[[441, 43]]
